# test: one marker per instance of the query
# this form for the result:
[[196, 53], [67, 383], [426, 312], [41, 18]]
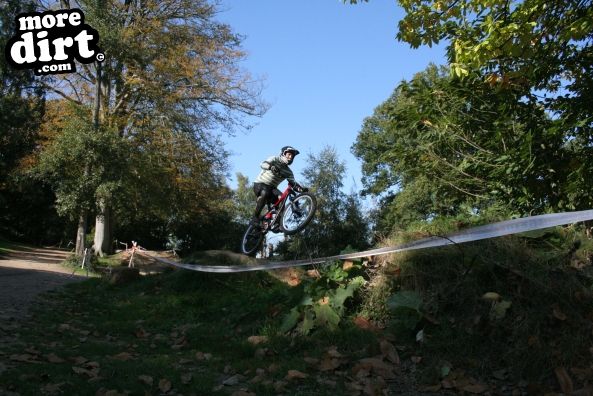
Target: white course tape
[[494, 230]]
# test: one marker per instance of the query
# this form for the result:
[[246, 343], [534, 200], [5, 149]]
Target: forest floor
[[180, 333]]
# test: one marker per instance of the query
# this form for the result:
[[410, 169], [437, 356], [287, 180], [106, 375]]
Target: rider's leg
[[262, 192]]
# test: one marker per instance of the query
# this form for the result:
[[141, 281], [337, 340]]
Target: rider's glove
[[300, 189], [275, 170]]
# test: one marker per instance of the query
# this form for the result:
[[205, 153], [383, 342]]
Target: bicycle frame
[[278, 206]]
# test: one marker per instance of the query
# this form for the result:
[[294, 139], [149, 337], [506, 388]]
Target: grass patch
[[182, 328]]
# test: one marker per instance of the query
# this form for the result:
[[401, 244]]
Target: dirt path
[[24, 274]]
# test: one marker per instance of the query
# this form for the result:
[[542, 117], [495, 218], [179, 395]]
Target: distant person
[[274, 171]]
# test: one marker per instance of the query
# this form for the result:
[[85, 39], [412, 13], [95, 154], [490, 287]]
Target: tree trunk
[[102, 241], [81, 233]]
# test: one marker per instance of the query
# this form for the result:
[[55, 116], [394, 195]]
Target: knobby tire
[[299, 211]]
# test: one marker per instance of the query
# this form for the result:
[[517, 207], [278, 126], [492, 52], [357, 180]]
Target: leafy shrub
[[405, 309], [324, 301]]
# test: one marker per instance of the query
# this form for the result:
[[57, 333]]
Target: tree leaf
[[405, 299], [326, 316], [290, 320]]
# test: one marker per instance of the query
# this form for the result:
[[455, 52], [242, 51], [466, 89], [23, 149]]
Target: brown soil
[[24, 274]]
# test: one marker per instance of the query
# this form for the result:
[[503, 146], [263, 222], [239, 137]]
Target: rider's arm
[[291, 179], [267, 164]]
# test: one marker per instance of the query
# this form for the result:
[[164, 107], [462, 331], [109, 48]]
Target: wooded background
[[130, 149]]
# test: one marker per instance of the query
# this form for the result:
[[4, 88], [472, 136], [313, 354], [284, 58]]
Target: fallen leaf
[[256, 340], [311, 360], [242, 393], [333, 352], [329, 364], [92, 365], [113, 392], [24, 357], [361, 371], [257, 379], [564, 380], [186, 378], [363, 323], [180, 342], [475, 388], [500, 374], [53, 358], [491, 296], [234, 380], [446, 384], [89, 373], [261, 352], [374, 386], [420, 336], [124, 356], [295, 374], [146, 379], [416, 359], [279, 386], [165, 385], [348, 264], [78, 359], [203, 356], [431, 388], [389, 352], [327, 382], [52, 389], [557, 312], [32, 350], [379, 367], [141, 333]]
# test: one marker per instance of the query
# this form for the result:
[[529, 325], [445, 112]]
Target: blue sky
[[326, 66]]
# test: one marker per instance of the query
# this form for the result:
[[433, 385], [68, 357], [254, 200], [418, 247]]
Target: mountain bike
[[290, 214]]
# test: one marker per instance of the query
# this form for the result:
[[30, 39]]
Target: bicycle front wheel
[[252, 240], [298, 213]]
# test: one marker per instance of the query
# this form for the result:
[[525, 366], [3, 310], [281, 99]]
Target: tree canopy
[[136, 138], [509, 122], [439, 144]]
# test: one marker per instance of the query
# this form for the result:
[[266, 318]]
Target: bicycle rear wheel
[[298, 213], [252, 240]]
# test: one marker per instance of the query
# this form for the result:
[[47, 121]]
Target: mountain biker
[[274, 170]]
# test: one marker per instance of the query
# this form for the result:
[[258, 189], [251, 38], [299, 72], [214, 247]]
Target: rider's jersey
[[268, 177]]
